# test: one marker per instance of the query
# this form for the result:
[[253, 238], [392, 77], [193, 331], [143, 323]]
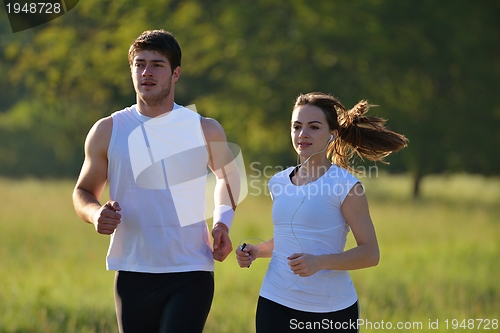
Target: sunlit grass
[[439, 258], [52, 264]]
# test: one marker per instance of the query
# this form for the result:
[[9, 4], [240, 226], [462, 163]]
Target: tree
[[431, 66], [438, 81]]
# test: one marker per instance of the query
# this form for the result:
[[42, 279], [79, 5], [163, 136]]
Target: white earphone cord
[[300, 205], [296, 210], [307, 159]]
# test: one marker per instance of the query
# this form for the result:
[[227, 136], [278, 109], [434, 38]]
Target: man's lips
[[148, 83]]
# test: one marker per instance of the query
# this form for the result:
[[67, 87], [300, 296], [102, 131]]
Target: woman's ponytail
[[358, 134]]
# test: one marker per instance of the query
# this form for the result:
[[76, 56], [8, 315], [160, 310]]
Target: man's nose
[[147, 71]]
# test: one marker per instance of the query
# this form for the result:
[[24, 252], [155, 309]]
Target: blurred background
[[433, 67]]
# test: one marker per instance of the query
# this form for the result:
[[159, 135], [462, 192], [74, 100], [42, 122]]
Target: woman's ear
[[333, 135]]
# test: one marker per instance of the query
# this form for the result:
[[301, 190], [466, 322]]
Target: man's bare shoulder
[[100, 134], [212, 130], [103, 125]]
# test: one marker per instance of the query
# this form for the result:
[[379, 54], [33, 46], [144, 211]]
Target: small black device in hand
[[242, 247]]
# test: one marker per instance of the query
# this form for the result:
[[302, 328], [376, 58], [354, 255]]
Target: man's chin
[[154, 100]]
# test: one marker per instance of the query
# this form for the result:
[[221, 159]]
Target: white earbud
[[326, 146]]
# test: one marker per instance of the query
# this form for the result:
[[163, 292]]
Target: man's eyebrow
[[154, 60]]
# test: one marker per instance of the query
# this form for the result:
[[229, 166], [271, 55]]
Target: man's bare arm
[[227, 188], [92, 181]]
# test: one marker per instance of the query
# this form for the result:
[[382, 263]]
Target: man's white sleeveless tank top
[[157, 170]]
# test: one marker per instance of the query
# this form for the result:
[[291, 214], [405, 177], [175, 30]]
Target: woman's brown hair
[[358, 134]]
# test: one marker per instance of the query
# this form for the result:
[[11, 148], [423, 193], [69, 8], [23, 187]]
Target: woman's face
[[310, 132]]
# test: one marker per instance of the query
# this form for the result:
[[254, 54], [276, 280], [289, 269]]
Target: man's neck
[[156, 110]]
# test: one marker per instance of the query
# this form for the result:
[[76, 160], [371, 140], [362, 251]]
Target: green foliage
[[431, 66], [438, 258], [442, 58]]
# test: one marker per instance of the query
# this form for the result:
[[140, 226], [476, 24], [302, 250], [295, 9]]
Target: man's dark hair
[[160, 41]]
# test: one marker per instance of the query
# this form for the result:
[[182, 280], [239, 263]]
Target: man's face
[[152, 77]]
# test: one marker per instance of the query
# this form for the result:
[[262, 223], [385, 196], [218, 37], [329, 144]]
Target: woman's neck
[[311, 170]]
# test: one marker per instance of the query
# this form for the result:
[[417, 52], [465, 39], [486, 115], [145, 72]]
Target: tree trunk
[[417, 179]]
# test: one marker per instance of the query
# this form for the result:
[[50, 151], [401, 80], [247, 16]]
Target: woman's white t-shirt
[[308, 219]]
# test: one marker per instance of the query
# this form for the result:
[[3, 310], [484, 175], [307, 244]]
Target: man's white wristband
[[224, 214]]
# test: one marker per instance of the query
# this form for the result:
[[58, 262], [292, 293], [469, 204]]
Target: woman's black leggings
[[275, 318], [163, 303]]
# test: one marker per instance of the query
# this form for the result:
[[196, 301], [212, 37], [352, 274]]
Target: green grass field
[[439, 260]]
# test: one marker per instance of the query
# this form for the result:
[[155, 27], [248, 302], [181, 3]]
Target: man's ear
[[176, 74]]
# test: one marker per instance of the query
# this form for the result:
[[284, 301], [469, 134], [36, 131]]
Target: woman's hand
[[304, 264], [246, 254]]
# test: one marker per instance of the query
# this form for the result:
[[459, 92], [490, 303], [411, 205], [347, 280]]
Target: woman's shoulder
[[283, 173], [282, 176], [338, 174]]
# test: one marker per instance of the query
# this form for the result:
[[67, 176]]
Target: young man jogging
[[155, 154]]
